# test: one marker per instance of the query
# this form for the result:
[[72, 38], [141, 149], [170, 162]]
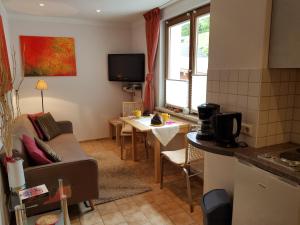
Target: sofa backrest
[[22, 126]]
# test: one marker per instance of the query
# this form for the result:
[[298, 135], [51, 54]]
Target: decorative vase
[[15, 172]]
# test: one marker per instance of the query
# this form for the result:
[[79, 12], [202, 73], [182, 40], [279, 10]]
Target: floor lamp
[[42, 85]]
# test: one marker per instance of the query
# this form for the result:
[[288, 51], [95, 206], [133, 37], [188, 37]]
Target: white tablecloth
[[163, 133]]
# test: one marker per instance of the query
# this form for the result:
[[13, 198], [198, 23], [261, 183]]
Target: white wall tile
[[261, 142], [266, 76], [275, 75], [284, 88], [253, 103], [295, 138], [297, 101], [243, 75], [263, 117], [273, 102], [273, 116], [296, 114], [232, 87], [291, 100], [243, 88], [275, 89], [265, 89], [262, 130], [215, 86], [254, 89], [224, 87], [255, 76], [292, 88], [284, 75], [234, 75], [242, 101], [224, 75], [264, 103], [296, 127], [252, 116]]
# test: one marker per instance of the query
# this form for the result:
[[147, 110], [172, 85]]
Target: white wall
[[88, 99]]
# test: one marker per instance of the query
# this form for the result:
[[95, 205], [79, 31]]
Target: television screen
[[126, 67]]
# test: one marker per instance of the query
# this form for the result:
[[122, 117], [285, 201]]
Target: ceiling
[[111, 10]]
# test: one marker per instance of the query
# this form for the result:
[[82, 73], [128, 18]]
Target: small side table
[[115, 126]]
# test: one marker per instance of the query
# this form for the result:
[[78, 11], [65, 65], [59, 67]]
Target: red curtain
[[4, 69], [152, 35]]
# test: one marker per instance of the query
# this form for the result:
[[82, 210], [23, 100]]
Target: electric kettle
[[227, 128]]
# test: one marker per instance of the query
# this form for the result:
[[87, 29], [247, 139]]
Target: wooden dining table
[[137, 125]]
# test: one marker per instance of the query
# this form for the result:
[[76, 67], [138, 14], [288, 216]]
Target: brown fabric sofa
[[78, 171]]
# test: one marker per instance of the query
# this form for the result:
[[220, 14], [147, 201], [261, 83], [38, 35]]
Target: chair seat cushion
[[126, 129], [176, 156]]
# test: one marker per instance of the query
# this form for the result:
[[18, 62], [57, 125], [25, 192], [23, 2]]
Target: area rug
[[117, 178]]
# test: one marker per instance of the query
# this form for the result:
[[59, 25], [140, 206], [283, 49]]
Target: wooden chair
[[126, 131], [184, 158]]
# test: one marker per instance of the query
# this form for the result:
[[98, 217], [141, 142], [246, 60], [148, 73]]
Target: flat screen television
[[126, 67]]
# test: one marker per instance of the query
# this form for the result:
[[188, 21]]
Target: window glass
[[179, 45], [202, 42], [177, 93]]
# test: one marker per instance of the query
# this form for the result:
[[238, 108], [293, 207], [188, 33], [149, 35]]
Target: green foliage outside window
[[203, 27]]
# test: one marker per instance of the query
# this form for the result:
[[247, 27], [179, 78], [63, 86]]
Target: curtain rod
[[170, 2]]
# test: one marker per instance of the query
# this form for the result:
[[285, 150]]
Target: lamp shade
[[41, 85]]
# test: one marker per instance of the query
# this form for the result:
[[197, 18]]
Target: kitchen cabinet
[[261, 198], [284, 51]]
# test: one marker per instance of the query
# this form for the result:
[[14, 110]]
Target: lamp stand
[[42, 95]]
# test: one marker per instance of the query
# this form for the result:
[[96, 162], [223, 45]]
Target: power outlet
[[247, 129]]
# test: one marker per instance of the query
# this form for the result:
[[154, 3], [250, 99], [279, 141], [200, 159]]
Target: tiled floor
[[157, 207]]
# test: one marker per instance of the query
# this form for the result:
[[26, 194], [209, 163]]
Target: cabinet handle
[[262, 186]]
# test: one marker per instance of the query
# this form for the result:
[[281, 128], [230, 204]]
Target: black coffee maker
[[206, 112], [224, 125]]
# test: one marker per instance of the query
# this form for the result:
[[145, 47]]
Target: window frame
[[192, 17]]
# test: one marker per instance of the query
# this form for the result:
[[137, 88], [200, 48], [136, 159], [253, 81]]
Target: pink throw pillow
[[37, 128], [36, 154]]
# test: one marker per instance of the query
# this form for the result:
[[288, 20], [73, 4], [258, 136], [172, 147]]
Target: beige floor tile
[[123, 201], [128, 208], [159, 218], [182, 219], [90, 218], [113, 218], [107, 208], [136, 218]]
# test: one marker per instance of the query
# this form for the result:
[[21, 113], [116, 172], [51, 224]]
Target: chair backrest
[[129, 107]]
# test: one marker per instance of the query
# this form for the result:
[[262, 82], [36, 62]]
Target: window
[[187, 39]]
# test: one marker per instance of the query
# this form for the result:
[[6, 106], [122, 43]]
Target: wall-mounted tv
[[126, 67]]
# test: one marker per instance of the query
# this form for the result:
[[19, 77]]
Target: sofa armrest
[[81, 176], [65, 126]]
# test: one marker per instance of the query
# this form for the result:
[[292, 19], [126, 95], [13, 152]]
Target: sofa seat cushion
[[67, 147]]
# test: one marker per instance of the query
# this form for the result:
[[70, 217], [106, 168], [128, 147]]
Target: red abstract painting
[[5, 76], [48, 56]]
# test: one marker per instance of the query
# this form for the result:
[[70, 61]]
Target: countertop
[[249, 155]]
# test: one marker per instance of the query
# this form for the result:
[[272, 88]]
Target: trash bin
[[217, 208]]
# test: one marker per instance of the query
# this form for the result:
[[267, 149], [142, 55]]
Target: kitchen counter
[[210, 146], [249, 155]]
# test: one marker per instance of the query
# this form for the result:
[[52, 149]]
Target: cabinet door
[[284, 49], [260, 198]]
